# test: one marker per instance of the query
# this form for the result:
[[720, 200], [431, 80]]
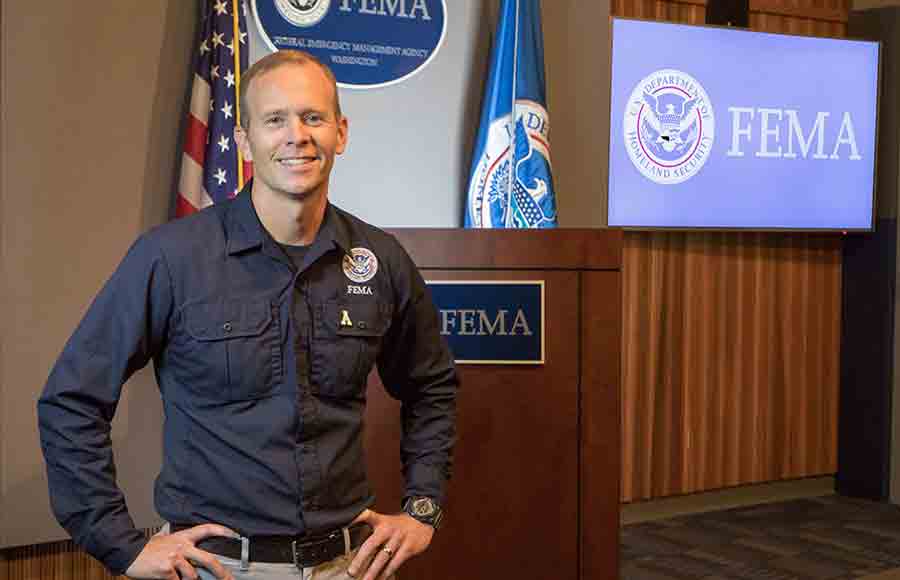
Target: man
[[263, 316]]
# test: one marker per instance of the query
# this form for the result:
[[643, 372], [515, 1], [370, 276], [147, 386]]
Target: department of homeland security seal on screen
[[669, 126]]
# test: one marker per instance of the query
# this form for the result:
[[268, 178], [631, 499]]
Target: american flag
[[211, 167]]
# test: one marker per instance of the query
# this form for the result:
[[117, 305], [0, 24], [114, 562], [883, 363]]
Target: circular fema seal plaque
[[303, 12], [366, 43], [669, 126]]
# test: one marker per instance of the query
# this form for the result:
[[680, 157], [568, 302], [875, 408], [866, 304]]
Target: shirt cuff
[[428, 481], [118, 549]]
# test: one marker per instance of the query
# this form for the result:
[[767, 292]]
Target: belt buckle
[[308, 549], [314, 547]]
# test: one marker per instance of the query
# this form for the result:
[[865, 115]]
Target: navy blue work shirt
[[263, 407]]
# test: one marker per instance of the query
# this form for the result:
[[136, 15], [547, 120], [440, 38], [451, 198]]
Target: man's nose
[[297, 131]]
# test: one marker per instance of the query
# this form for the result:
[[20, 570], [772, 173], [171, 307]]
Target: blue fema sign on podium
[[367, 43], [492, 321]]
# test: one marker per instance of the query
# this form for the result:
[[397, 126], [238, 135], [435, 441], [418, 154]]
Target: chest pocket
[[346, 339], [230, 349]]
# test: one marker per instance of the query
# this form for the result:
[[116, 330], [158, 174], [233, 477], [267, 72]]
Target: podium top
[[554, 249]]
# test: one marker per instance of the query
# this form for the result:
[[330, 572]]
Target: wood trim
[[838, 14], [556, 249], [54, 561], [600, 379]]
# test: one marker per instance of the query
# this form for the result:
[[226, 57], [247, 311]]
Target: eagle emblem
[[668, 127], [514, 184], [303, 5], [671, 126], [360, 265]]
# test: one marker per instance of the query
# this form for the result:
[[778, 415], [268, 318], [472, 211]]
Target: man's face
[[293, 132]]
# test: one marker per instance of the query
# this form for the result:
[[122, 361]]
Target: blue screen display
[[724, 128]]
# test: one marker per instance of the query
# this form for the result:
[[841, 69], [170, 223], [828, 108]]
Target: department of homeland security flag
[[523, 197], [211, 168]]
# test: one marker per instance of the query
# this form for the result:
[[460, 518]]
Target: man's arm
[[122, 330], [417, 368]]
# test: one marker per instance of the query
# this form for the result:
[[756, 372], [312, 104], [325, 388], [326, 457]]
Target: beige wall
[[576, 54], [92, 104]]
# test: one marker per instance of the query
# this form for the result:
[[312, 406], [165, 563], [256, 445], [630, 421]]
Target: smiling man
[[263, 316]]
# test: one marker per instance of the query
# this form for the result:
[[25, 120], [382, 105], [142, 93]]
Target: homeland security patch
[[669, 126], [360, 265]]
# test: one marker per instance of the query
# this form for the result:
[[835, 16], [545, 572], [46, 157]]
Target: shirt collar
[[245, 231], [334, 229]]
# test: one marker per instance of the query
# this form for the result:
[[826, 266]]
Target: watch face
[[423, 507]]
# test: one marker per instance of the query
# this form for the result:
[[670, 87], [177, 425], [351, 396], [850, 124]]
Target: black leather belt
[[304, 551]]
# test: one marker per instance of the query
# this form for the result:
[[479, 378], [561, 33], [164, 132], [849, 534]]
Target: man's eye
[[274, 120], [313, 118]]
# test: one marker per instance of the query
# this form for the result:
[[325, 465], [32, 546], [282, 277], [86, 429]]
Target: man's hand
[[173, 556], [401, 535]]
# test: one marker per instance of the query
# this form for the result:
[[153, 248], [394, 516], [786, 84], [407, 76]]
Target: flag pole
[[512, 120], [236, 39]]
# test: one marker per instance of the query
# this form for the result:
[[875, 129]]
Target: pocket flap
[[207, 321], [353, 319]]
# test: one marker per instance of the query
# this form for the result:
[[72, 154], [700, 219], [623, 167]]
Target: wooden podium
[[535, 490]]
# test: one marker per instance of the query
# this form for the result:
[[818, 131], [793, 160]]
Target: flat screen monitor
[[731, 129]]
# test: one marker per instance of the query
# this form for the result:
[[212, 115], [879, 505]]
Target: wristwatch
[[424, 509]]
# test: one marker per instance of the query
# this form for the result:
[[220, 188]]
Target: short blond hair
[[278, 59]]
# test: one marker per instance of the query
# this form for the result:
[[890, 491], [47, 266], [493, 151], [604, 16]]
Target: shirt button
[[361, 324], [226, 327]]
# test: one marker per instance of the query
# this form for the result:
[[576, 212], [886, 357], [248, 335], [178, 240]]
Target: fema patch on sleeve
[[360, 265]]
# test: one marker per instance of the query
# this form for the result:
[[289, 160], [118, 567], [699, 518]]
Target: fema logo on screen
[[669, 126], [303, 12]]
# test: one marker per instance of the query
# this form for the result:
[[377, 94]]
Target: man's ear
[[343, 127], [243, 143]]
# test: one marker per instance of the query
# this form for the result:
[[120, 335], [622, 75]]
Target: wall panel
[[730, 340], [730, 366], [91, 108]]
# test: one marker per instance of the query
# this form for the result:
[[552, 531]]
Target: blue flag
[[511, 185]]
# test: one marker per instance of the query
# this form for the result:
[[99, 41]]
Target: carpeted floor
[[829, 537]]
